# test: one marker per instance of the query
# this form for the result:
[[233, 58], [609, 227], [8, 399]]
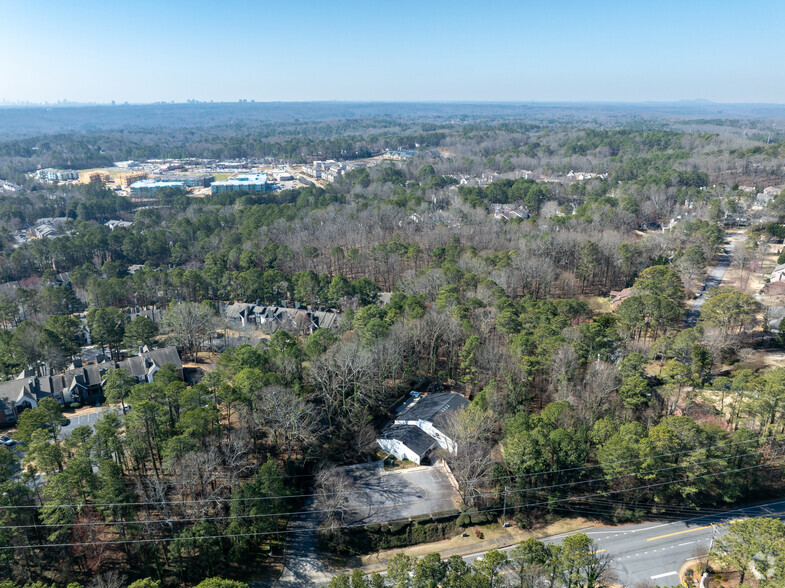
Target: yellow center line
[[678, 533], [773, 514]]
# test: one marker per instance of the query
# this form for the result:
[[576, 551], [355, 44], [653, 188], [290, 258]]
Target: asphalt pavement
[[713, 280], [82, 420], [379, 495], [654, 552]]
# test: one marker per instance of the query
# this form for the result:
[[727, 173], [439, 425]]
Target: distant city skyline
[[88, 51]]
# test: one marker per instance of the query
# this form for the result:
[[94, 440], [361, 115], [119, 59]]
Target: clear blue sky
[[543, 50]]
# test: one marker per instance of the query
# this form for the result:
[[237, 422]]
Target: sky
[[392, 50]]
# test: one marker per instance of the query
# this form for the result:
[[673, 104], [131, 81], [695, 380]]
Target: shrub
[[373, 537], [479, 518], [447, 515], [396, 526]]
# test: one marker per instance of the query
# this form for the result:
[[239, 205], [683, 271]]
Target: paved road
[[713, 280], [655, 552]]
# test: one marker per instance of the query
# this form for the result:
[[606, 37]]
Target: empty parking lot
[[380, 496]]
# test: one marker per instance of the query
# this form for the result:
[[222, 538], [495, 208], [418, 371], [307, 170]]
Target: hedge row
[[401, 533]]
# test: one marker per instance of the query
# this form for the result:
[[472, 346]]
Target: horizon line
[[189, 102]]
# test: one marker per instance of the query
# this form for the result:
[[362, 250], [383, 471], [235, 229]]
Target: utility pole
[[504, 510]]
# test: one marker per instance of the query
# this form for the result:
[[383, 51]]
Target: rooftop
[[413, 437], [156, 184], [244, 180], [432, 406]]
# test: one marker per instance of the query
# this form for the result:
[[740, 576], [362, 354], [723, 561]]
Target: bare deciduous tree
[[470, 457], [288, 417], [332, 492]]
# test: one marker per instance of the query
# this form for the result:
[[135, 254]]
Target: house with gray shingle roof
[[79, 383], [421, 426]]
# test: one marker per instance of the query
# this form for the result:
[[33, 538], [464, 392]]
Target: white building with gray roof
[[422, 426]]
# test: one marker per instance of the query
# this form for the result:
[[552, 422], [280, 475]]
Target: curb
[[499, 545]]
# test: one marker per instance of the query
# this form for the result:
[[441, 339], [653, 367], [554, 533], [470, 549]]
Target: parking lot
[[380, 495], [84, 418]]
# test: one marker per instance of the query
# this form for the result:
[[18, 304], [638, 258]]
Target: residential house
[[145, 365], [16, 396], [778, 274], [113, 224], [154, 314], [273, 318], [80, 382], [406, 442], [619, 296]]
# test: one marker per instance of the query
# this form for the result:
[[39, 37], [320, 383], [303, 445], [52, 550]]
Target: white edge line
[[658, 576]]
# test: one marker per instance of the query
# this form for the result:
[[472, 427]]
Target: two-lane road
[[656, 551], [714, 279]]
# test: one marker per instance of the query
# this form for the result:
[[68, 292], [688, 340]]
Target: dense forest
[[642, 410]]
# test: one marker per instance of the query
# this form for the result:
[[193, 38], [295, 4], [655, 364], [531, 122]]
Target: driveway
[[377, 496]]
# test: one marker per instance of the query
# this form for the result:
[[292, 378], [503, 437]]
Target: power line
[[779, 437], [549, 503], [266, 533], [361, 491]]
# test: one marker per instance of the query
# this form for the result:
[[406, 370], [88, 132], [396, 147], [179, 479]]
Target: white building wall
[[443, 440], [398, 449]]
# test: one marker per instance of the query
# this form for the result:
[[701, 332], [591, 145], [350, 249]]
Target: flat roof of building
[[183, 176], [244, 180], [156, 184]]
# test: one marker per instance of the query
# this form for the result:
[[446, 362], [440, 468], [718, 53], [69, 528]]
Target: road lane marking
[[678, 533], [688, 543], [665, 575]]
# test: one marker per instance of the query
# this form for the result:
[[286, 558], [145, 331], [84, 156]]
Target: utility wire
[[362, 491], [232, 535], [549, 502]]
